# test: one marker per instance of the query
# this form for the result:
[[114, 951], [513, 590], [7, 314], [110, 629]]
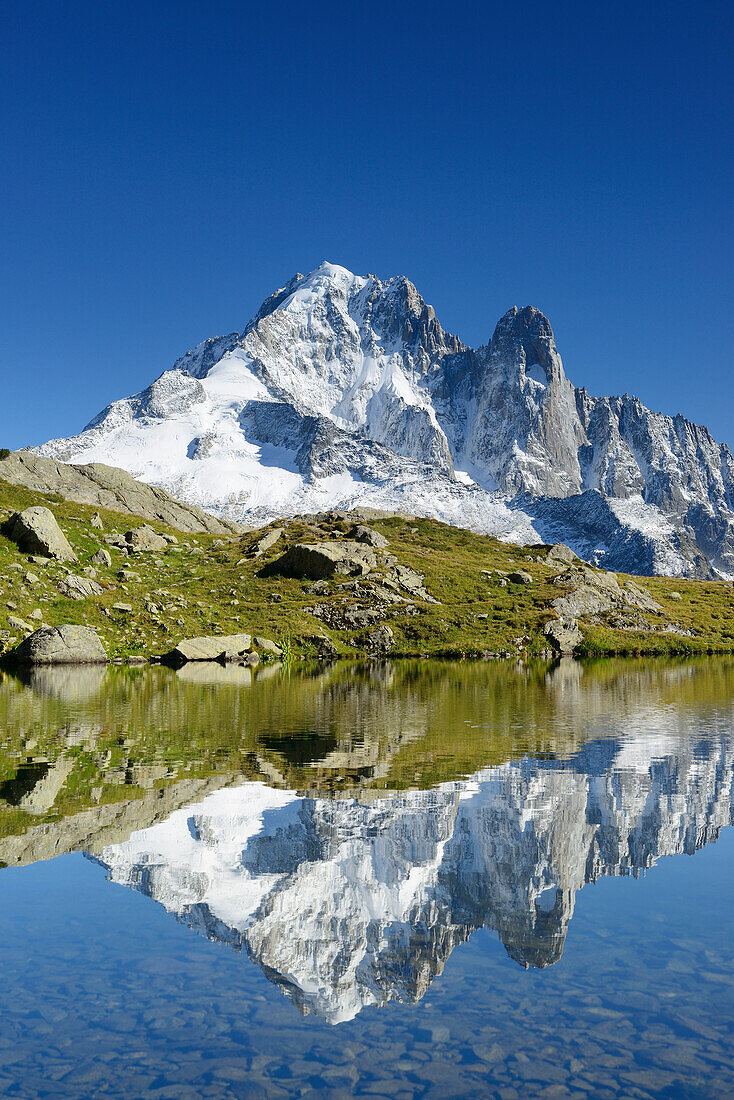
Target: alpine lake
[[386, 880]]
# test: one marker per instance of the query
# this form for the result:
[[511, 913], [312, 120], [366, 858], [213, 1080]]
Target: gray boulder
[[209, 648], [79, 588], [36, 531], [144, 539], [413, 583], [264, 543], [562, 554], [325, 648], [267, 645], [380, 640], [520, 577], [585, 600], [114, 538], [102, 557], [564, 635], [60, 645], [325, 559], [368, 535], [19, 624]]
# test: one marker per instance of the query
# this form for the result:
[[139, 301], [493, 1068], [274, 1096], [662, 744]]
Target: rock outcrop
[[264, 543], [79, 588], [564, 635], [143, 540], [107, 487]]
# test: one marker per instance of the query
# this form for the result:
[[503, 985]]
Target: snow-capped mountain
[[346, 904], [345, 391]]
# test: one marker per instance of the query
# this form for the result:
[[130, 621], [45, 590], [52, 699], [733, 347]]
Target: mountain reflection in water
[[345, 903], [274, 816]]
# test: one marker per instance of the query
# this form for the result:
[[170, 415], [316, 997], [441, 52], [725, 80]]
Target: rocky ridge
[[107, 487]]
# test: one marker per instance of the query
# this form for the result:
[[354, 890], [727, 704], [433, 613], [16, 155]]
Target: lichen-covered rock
[[585, 600], [19, 624], [598, 592], [413, 583], [60, 645], [562, 554], [102, 557], [267, 645], [380, 640], [324, 646], [36, 531], [114, 538]]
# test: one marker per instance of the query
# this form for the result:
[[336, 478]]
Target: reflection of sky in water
[[386, 916], [104, 993]]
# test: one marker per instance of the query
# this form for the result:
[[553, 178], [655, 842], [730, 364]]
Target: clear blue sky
[[167, 165]]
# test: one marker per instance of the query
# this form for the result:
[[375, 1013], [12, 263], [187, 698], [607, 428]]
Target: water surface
[[410, 879]]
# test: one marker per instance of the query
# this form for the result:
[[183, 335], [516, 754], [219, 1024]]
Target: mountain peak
[[344, 390], [526, 334], [525, 323], [331, 271]]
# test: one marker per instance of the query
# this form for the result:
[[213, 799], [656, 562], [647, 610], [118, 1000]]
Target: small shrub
[[4, 452]]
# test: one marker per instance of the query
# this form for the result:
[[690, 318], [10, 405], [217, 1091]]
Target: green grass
[[202, 585]]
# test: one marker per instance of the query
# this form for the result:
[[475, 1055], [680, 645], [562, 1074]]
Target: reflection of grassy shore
[[204, 585], [136, 734]]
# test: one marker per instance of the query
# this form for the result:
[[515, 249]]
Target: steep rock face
[[527, 432], [345, 391], [345, 904]]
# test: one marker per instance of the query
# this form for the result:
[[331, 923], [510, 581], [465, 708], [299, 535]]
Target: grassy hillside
[[202, 584]]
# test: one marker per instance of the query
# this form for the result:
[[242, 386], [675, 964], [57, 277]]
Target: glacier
[[345, 392]]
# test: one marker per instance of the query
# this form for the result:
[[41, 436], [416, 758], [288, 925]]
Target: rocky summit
[[344, 391]]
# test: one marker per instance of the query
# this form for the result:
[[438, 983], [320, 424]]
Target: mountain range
[[345, 391]]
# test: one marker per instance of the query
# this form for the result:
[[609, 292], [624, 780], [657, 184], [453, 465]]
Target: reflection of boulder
[[346, 904], [211, 672], [565, 676], [67, 683]]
